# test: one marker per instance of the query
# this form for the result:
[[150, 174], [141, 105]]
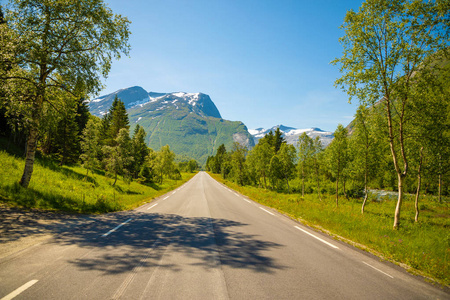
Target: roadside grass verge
[[423, 248], [66, 188]]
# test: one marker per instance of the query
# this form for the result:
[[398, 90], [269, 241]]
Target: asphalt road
[[202, 241]]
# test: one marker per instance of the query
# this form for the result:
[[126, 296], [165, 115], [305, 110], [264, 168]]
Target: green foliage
[[67, 188], [392, 52], [164, 163], [119, 117], [118, 159], [338, 155], [44, 61], [90, 146], [139, 150]]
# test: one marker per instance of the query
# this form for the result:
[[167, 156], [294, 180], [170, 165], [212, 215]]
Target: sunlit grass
[[65, 188], [424, 246]]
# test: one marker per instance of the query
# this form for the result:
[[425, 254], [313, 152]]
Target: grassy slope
[[424, 247], [65, 188], [186, 134]]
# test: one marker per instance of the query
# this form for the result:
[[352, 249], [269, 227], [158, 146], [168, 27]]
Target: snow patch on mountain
[[292, 134]]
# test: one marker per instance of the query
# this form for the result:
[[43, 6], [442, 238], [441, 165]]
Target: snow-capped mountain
[[189, 123], [292, 134], [138, 97]]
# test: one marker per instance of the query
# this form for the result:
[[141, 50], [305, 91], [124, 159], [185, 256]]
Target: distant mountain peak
[[189, 123], [292, 134], [136, 96]]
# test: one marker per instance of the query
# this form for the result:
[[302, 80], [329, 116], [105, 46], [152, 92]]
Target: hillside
[[189, 123]]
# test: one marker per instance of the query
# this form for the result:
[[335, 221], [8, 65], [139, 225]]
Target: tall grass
[[65, 188], [423, 246]]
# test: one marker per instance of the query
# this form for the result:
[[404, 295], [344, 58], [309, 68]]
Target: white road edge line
[[166, 198], [377, 269], [19, 290], [152, 206], [246, 200], [316, 237], [267, 211], [117, 227]]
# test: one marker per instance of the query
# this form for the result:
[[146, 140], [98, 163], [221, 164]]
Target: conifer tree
[[90, 145], [119, 117], [139, 150]]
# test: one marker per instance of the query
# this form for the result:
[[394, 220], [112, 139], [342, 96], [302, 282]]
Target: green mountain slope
[[189, 123]]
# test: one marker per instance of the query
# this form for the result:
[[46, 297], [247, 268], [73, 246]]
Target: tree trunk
[[318, 183], [439, 189], [303, 182], [337, 189], [115, 180], [343, 188], [265, 182], [401, 178], [365, 192], [287, 183], [30, 156], [419, 180]]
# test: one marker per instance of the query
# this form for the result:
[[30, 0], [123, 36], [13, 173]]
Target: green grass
[[63, 188], [424, 247]]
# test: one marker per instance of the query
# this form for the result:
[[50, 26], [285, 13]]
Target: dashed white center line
[[19, 290], [316, 237], [377, 269], [117, 227], [267, 211], [152, 206]]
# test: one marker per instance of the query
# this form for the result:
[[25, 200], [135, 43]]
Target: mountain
[[189, 123], [292, 134]]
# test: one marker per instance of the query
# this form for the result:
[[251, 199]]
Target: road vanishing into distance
[[201, 241]]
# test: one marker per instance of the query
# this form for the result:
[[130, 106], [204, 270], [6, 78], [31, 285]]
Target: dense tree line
[[358, 158]]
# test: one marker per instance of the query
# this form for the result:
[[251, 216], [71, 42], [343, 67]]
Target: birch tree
[[386, 43], [55, 46]]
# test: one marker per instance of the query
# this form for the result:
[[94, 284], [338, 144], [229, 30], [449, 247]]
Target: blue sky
[[262, 62]]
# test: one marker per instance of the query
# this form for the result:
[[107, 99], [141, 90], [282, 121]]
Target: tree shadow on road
[[144, 240]]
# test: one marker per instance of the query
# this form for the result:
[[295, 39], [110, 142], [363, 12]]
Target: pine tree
[[119, 117], [139, 150], [90, 145]]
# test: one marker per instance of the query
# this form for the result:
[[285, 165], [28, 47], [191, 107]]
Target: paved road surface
[[202, 241]]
